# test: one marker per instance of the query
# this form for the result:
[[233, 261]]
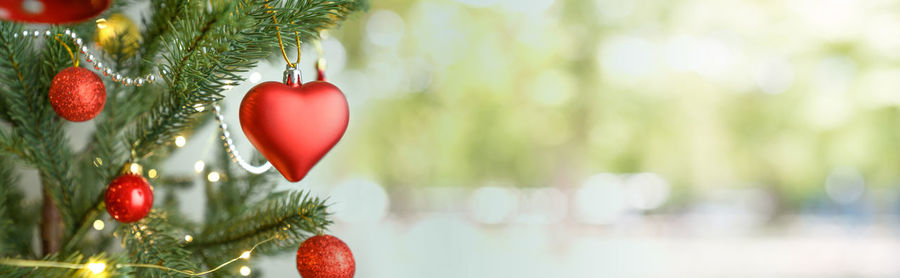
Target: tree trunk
[[51, 226]]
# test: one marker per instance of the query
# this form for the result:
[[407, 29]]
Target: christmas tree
[[144, 89]]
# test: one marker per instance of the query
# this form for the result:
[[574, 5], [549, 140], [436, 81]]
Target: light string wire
[[232, 150], [36, 263]]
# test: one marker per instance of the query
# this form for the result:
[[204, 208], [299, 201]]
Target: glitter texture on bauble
[[325, 256], [77, 94]]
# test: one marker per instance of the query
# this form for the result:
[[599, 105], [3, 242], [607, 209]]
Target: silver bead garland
[[232, 151], [93, 59]]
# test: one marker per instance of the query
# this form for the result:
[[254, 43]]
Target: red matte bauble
[[51, 11], [325, 256], [129, 198], [77, 94], [294, 126]]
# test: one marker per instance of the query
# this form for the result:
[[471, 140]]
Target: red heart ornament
[[293, 125]]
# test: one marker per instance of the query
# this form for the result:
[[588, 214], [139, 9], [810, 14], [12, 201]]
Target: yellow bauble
[[118, 34]]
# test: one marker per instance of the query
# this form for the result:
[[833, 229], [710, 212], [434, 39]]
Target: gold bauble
[[118, 34]]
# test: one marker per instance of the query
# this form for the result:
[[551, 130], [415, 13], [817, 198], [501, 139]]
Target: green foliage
[[154, 241], [289, 218], [15, 218]]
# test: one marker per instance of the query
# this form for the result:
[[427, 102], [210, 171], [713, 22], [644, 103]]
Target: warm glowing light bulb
[[99, 225], [245, 270], [213, 176], [101, 23], [180, 141], [152, 173], [255, 77], [199, 165], [134, 168], [188, 238], [245, 255], [96, 268]]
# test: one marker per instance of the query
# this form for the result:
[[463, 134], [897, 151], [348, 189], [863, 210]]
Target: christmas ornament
[[51, 11], [325, 256], [118, 34], [294, 125], [77, 94], [320, 63], [320, 70], [129, 197]]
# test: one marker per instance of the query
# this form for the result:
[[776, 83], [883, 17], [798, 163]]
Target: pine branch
[[46, 146], [203, 58], [12, 144], [15, 221], [153, 241], [308, 17], [158, 24], [277, 217]]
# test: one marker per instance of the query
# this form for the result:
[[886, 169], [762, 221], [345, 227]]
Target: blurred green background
[[771, 94]]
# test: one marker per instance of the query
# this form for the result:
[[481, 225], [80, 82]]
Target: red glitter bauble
[[325, 256], [77, 94], [129, 198]]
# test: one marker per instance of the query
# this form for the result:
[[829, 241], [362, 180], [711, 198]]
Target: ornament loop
[[280, 43], [292, 76], [73, 55]]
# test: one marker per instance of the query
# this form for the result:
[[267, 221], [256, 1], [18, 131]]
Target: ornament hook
[[292, 75]]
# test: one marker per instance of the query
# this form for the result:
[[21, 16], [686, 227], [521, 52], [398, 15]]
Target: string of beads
[[232, 150], [93, 59]]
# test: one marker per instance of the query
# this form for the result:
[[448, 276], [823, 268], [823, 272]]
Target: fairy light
[[188, 238], [152, 173], [199, 107], [213, 176], [99, 225], [134, 168], [255, 77], [101, 23], [199, 165], [96, 268], [245, 271], [180, 141]]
